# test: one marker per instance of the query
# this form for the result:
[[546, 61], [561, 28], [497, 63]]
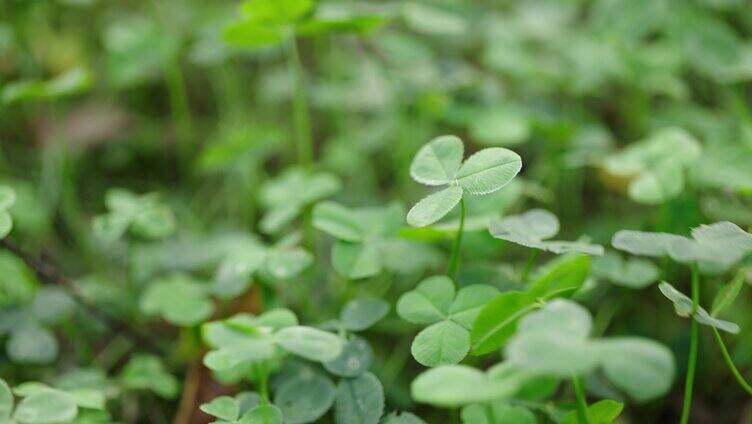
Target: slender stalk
[[181, 112], [263, 386], [692, 360], [454, 259], [579, 393], [489, 413], [300, 104], [730, 363], [529, 266]]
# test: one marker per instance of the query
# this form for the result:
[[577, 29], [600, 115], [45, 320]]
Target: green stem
[[263, 386], [181, 112], [489, 413], [454, 259], [692, 360], [730, 362], [300, 104], [529, 266], [579, 393]]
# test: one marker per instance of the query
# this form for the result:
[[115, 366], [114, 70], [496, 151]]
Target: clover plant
[[440, 163]]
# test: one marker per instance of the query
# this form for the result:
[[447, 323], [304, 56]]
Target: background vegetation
[[168, 165]]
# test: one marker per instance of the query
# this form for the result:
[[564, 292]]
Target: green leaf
[[33, 344], [469, 302], [634, 273], [239, 352], [497, 321], [7, 197], [284, 264], [466, 385], [46, 407], [309, 343], [657, 164], [532, 228], [728, 294], [553, 341], [658, 185], [356, 260], [6, 224], [501, 126], [360, 400], [442, 343], [683, 308], [434, 206], [602, 412], [355, 359], [223, 407], [262, 414], [429, 302], [72, 82], [489, 170], [337, 221], [275, 12], [645, 243], [642, 368], [146, 372], [438, 161], [88, 398], [6, 401], [496, 412], [561, 277], [52, 305], [305, 398], [362, 313], [179, 299]]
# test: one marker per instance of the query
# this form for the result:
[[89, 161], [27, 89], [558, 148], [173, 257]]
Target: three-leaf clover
[[656, 165], [533, 229], [458, 385], [7, 199], [286, 196], [244, 408], [180, 299], [30, 340], [147, 372], [245, 338], [281, 261], [721, 244], [555, 341], [683, 308], [634, 273], [439, 163], [45, 404], [143, 215], [366, 237], [447, 339]]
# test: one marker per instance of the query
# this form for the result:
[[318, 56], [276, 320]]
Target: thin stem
[[181, 112], [692, 360], [300, 104], [454, 259], [263, 386], [579, 393], [529, 265], [489, 413], [730, 362]]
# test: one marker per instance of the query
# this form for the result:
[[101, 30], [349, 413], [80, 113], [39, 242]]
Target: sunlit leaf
[[438, 161]]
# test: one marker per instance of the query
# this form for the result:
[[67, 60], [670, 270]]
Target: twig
[[46, 272]]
